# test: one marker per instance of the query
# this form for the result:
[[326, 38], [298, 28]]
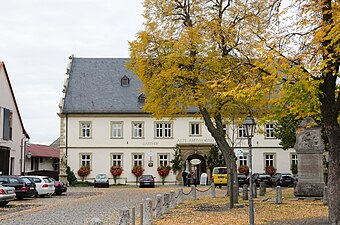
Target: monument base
[[309, 189]]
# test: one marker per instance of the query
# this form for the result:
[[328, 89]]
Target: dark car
[[262, 177], [283, 179], [242, 179], [59, 186], [24, 187], [146, 181]]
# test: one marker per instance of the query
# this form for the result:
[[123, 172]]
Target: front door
[[4, 160]]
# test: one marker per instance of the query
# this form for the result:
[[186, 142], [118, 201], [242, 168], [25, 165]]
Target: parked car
[[242, 179], [59, 186], [24, 187], [220, 176], [7, 194], [283, 179], [101, 180], [262, 177], [146, 181], [44, 185]]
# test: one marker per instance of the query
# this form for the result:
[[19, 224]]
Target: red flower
[[137, 170], [163, 171], [116, 171]]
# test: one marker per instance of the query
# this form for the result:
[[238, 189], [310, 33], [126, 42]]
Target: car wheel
[[4, 203]]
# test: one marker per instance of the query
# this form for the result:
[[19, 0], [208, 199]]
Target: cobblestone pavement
[[80, 205]]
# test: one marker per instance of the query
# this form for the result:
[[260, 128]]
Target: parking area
[[80, 204]]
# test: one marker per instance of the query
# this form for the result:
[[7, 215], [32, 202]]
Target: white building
[[102, 124], [13, 136]]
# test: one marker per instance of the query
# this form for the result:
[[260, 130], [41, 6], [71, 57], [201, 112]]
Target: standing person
[[184, 176], [188, 179], [194, 177]]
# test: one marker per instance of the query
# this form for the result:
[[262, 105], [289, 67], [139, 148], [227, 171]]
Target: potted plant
[[137, 171], [116, 171], [244, 169], [163, 171], [84, 171], [270, 170]]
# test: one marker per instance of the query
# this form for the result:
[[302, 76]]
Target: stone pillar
[[180, 196], [133, 216], [148, 212], [212, 190], [172, 199], [262, 188], [309, 147], [159, 206], [166, 207], [124, 218], [278, 199], [193, 192], [96, 221], [254, 191], [245, 192]]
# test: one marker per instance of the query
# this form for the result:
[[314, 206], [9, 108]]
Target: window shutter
[[7, 127]]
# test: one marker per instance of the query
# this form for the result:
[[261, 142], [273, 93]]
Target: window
[[163, 130], [293, 159], [125, 81], [137, 160], [241, 132], [195, 129], [116, 129], [85, 129], [269, 131], [85, 159], [117, 160], [243, 160], [269, 160], [7, 124], [137, 129], [141, 99], [163, 159]]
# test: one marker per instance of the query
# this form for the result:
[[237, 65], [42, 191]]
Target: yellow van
[[220, 176]]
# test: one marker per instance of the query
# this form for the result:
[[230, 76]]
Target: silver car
[[6, 194], [101, 180]]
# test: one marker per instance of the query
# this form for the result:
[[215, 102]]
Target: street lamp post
[[249, 128]]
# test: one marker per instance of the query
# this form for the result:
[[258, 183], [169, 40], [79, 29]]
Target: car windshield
[[146, 177], [220, 171], [101, 176], [47, 180], [264, 175], [27, 180]]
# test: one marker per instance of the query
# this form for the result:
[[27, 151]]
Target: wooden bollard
[[245, 192], [159, 206], [254, 191], [166, 206], [133, 216], [262, 188], [124, 217], [148, 212], [172, 199]]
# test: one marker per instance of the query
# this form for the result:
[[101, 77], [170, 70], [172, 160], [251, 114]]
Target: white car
[[44, 185]]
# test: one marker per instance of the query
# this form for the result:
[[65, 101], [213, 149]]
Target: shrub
[[116, 171], [294, 168], [84, 171], [71, 178], [244, 169], [270, 170], [137, 171], [163, 171]]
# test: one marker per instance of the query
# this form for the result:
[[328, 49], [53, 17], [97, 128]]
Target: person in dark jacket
[[184, 176], [188, 179]]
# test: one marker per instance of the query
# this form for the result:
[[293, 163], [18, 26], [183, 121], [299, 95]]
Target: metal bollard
[[193, 192], [124, 218], [278, 199]]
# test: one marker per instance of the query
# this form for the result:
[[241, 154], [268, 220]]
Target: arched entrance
[[200, 168]]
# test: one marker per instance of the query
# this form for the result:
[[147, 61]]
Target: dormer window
[[141, 99], [125, 81]]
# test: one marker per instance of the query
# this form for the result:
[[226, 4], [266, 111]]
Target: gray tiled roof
[[95, 87]]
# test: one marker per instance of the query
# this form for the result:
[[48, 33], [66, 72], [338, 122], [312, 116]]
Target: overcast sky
[[38, 36]]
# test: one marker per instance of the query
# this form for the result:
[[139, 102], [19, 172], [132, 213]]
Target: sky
[[38, 36]]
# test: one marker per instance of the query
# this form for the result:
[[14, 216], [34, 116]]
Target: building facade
[[13, 136], [102, 124]]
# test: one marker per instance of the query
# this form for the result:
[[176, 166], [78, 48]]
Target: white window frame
[[137, 132], [117, 130], [269, 130], [163, 129], [136, 158], [117, 159], [243, 160], [293, 158], [83, 129], [266, 158], [241, 132], [163, 158], [83, 159], [195, 129]]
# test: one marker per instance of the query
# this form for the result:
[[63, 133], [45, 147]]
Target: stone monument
[[309, 147]]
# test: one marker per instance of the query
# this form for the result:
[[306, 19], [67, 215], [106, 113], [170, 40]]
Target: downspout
[[23, 155], [66, 140]]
